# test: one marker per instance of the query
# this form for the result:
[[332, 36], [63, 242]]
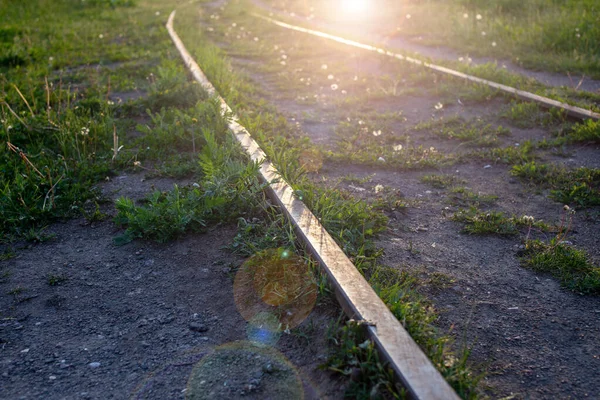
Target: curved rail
[[573, 111], [418, 375]]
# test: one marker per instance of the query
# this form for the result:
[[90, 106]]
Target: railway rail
[[572, 111], [357, 297], [359, 301]]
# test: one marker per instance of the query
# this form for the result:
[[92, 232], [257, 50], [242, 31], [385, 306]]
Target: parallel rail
[[416, 372], [572, 111]]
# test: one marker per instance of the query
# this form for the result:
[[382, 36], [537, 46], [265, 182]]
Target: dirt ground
[[535, 339], [143, 320]]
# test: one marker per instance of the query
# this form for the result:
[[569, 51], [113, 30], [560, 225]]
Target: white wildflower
[[377, 133]]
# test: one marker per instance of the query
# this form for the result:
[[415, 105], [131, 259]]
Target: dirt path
[[399, 43], [535, 339], [81, 318]]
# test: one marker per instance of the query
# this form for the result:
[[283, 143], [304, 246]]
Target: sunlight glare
[[355, 6]]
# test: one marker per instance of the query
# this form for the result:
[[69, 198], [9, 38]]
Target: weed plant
[[472, 133], [580, 186], [572, 267]]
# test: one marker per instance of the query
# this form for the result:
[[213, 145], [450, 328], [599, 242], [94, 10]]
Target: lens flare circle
[[243, 369], [277, 282]]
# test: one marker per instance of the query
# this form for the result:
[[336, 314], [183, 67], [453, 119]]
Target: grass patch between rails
[[463, 197], [580, 186], [441, 181], [571, 266], [479, 222], [472, 133]]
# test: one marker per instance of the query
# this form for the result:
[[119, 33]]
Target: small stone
[[52, 377], [198, 327], [487, 166], [94, 365], [268, 368], [381, 159]]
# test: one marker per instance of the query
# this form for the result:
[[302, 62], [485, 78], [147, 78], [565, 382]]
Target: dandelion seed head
[[439, 106], [377, 133], [255, 39], [157, 13], [330, 77], [137, 164], [101, 36], [479, 17], [284, 56], [493, 44], [408, 16], [483, 33], [465, 15], [379, 188], [334, 87], [283, 62], [398, 147], [324, 66]]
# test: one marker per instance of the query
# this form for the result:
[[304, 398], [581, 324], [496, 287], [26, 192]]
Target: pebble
[[198, 327], [268, 368], [487, 167], [94, 364]]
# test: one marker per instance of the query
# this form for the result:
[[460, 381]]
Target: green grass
[[58, 122], [579, 187], [463, 197], [441, 181], [572, 267], [472, 133], [229, 186], [479, 222]]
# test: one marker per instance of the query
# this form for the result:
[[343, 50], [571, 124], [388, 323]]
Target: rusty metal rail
[[416, 372], [573, 111]]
